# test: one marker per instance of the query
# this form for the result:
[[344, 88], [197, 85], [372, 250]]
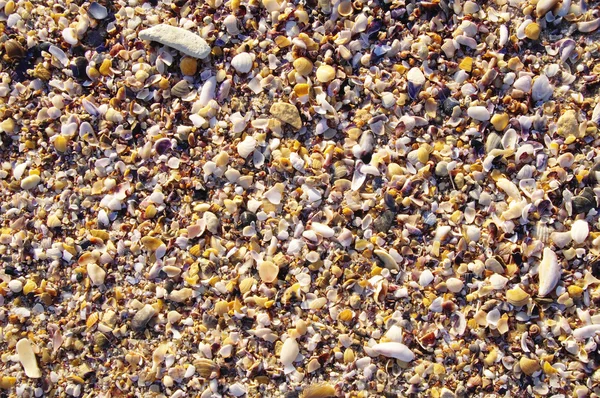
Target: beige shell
[[242, 62]]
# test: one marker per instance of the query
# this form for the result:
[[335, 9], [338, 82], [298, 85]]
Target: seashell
[[181, 89], [246, 147], [97, 11], [498, 281], [142, 317], [268, 271], [237, 389], [96, 274], [561, 239], [479, 113], [289, 351], [242, 62], [425, 278], [517, 297], [14, 50], [416, 80], [303, 66], [509, 188], [322, 229], [388, 261], [231, 24], [588, 26], [30, 182], [321, 390], [541, 90], [27, 358], [180, 39], [151, 243], [394, 350], [162, 146], [529, 366], [492, 142], [454, 285], [549, 272], [585, 332], [325, 73], [70, 36], [206, 367], [580, 231], [543, 6], [275, 194]]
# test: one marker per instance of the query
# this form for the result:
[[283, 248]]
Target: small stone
[[425, 278], [303, 66], [142, 317], [27, 359], [500, 121], [15, 286], [9, 7], [449, 105], [188, 66], [178, 38], [60, 143], [384, 221], [470, 7], [532, 31], [96, 274], [466, 64], [325, 73], [567, 124], [287, 113]]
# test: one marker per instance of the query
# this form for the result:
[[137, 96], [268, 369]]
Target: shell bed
[[274, 198]]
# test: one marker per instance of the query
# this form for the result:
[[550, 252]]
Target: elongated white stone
[[178, 38], [549, 272]]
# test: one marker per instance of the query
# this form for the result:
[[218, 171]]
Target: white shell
[[415, 76], [580, 231], [246, 147], [242, 62], [425, 278], [387, 260], [274, 194], [27, 359], [542, 89], [509, 188], [585, 332], [70, 36], [322, 229], [289, 351], [394, 350], [549, 272], [479, 113], [237, 389]]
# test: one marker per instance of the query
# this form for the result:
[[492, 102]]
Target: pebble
[[180, 39], [142, 317], [27, 359], [532, 31], [325, 73], [30, 182], [287, 113], [15, 286], [567, 124]]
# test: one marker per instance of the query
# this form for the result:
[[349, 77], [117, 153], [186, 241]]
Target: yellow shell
[[188, 66], [151, 243], [303, 66]]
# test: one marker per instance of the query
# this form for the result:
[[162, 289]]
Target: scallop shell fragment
[[242, 62], [517, 297]]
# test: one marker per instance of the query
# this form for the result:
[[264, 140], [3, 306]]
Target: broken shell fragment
[[549, 272], [394, 350]]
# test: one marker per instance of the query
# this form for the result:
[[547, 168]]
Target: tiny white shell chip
[[580, 231], [549, 272], [268, 271], [415, 76], [322, 229], [275, 194], [585, 332], [394, 350], [509, 188], [242, 62], [289, 351]]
